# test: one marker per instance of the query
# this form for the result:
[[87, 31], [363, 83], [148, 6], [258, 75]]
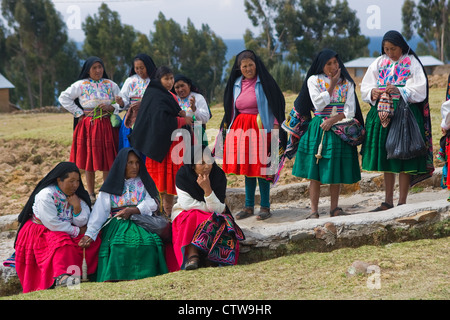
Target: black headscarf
[[60, 170], [186, 178], [116, 177], [84, 74], [148, 63], [303, 104], [155, 122], [191, 84], [271, 89]]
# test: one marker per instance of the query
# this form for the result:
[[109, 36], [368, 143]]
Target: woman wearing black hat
[[396, 74], [322, 156], [90, 100]]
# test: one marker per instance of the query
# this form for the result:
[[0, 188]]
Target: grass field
[[408, 270]]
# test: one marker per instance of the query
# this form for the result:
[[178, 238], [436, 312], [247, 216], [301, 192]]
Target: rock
[[419, 218], [327, 233]]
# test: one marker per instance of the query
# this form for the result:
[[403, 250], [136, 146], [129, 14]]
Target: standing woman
[[158, 117], [52, 223], [95, 141], [128, 252], [142, 70], [328, 86], [254, 105], [397, 73]]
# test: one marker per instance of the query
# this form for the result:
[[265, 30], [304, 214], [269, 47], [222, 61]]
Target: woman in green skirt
[[396, 74], [322, 156], [128, 251]]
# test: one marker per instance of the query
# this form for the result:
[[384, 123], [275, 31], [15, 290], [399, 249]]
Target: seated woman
[[51, 225], [200, 214], [128, 252]]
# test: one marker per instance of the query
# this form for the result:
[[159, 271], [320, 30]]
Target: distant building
[[5, 104], [357, 68]]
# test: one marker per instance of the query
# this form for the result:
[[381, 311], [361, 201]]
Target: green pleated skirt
[[374, 155], [339, 162], [128, 252]]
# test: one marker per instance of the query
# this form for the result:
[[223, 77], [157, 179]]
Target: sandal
[[245, 213], [313, 215], [264, 213], [382, 207], [338, 212], [192, 262]]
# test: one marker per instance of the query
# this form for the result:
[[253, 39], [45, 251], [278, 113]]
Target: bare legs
[[167, 200], [403, 183], [90, 181], [314, 194]]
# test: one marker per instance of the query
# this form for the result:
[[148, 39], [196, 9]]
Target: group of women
[[60, 225]]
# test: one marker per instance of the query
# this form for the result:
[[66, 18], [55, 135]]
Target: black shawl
[[271, 89], [60, 170], [84, 74], [116, 177], [155, 122], [148, 62], [186, 178], [303, 104]]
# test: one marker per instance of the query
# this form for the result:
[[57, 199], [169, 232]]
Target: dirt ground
[[23, 163]]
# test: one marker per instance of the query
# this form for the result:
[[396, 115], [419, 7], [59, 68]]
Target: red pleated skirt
[[95, 144], [246, 148], [42, 254], [164, 173], [183, 229]]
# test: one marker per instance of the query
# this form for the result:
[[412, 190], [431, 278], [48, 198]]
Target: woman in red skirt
[[52, 223], [254, 106], [154, 134], [91, 100]]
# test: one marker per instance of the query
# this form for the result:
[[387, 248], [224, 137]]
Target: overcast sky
[[227, 18]]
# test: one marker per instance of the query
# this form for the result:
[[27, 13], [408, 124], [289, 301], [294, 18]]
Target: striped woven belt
[[326, 112], [114, 211]]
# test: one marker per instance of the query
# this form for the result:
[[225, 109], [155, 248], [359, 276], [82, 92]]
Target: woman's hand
[[85, 242], [334, 80], [376, 94], [127, 212], [106, 107], [204, 183], [390, 89], [189, 120], [328, 123], [75, 202], [192, 103], [119, 101]]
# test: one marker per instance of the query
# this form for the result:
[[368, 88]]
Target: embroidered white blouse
[[185, 202], [90, 93], [53, 210], [201, 112], [406, 73], [320, 97], [133, 90], [445, 112], [134, 194]]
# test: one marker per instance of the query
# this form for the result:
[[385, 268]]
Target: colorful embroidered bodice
[[338, 98], [94, 93], [136, 88], [396, 73], [133, 193]]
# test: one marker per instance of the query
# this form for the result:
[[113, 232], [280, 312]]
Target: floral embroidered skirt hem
[[339, 162], [374, 155], [129, 252], [95, 144], [42, 254]]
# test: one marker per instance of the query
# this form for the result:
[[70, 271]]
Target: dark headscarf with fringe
[[303, 104]]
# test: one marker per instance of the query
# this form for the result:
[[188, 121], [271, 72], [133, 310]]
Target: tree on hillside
[[107, 38], [431, 20], [198, 54], [34, 49]]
